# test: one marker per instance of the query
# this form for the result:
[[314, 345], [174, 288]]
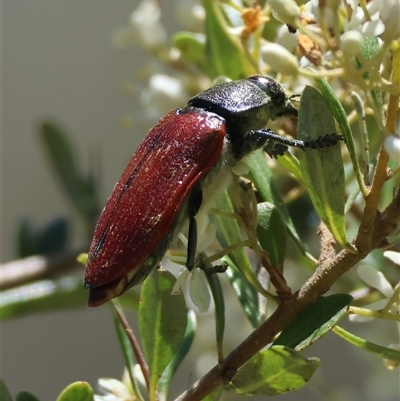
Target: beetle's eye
[[271, 88]]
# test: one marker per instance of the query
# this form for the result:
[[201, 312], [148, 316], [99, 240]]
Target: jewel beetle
[[180, 167]]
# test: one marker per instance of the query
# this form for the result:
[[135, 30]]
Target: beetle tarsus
[[324, 141]]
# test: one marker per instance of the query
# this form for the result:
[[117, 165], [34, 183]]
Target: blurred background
[[58, 62]]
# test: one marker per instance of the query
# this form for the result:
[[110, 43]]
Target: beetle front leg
[[276, 145]]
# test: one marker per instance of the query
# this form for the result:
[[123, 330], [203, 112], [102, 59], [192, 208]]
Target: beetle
[[180, 167]]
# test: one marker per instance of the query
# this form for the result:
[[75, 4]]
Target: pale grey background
[[57, 61]]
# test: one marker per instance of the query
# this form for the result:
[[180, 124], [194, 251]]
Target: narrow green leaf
[[78, 391], [218, 296], [224, 53], [126, 347], [81, 190], [323, 168], [271, 233], [245, 292], [273, 371], [25, 396], [165, 381], [5, 394], [314, 321], [192, 48], [162, 323], [383, 352], [340, 116], [26, 241], [263, 179], [291, 163]]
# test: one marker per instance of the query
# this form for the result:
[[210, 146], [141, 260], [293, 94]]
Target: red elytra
[[133, 230]]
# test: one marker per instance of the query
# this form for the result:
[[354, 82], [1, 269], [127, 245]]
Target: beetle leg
[[195, 200], [275, 145]]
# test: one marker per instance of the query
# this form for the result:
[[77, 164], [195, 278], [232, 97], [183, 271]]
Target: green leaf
[[263, 178], [126, 347], [162, 323], [314, 321], [291, 163], [224, 52], [192, 48], [340, 116], [323, 168], [25, 396], [5, 394], [383, 352], [81, 190], [78, 391], [271, 233], [273, 371], [165, 381]]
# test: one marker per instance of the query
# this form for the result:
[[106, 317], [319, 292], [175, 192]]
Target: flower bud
[[350, 42], [280, 59], [285, 11]]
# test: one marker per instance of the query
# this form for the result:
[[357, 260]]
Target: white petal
[[199, 291], [206, 238], [374, 278], [372, 28], [180, 282], [393, 256], [114, 387]]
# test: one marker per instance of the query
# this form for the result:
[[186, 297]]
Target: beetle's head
[[279, 104]]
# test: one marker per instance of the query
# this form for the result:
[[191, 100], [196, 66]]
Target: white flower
[[198, 291], [113, 390], [146, 22], [313, 9], [383, 22], [163, 94], [145, 30]]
